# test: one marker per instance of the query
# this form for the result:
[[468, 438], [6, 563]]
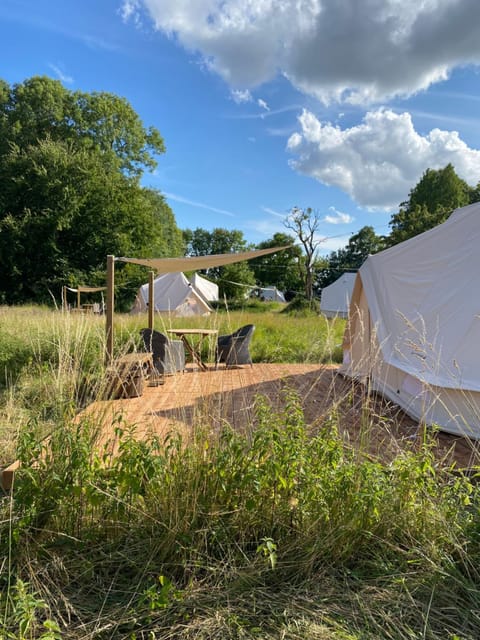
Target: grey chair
[[168, 355], [233, 349]]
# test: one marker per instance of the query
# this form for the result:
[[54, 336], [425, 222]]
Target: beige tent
[[414, 324], [174, 295], [335, 299]]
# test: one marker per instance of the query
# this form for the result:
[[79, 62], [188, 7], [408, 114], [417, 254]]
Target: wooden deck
[[208, 399]]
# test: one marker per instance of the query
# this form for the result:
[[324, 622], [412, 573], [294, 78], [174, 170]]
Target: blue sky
[[338, 105]]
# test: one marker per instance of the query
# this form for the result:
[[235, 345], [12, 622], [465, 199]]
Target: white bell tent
[[173, 295], [270, 294], [206, 288], [414, 324], [335, 299]]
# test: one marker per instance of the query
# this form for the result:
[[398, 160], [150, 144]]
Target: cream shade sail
[[171, 265], [86, 289]]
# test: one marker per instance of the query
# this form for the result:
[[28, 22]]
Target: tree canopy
[[70, 192], [430, 202]]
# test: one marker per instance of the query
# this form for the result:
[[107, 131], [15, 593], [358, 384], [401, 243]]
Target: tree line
[[71, 165]]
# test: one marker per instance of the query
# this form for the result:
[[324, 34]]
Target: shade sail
[[171, 265], [86, 289]]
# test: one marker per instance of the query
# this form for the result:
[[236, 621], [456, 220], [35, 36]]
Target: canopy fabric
[[414, 324], [172, 265], [86, 289]]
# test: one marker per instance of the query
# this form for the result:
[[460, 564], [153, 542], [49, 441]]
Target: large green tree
[[283, 269], [430, 202], [70, 192]]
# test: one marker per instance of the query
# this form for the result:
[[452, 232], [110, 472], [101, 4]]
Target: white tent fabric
[[207, 289], [335, 299], [173, 295], [414, 324], [271, 294]]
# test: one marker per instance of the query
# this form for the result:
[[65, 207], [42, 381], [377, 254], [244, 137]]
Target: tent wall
[[414, 324]]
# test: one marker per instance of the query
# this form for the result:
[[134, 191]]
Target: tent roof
[[170, 291], [335, 298], [171, 265]]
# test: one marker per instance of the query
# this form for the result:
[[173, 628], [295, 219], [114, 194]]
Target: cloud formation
[[378, 161], [61, 75], [336, 50], [337, 217]]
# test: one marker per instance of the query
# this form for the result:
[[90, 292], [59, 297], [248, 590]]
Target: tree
[[282, 269], [201, 242], [351, 257], [70, 192], [430, 203], [305, 223]]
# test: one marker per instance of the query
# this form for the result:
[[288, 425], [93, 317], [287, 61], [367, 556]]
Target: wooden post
[[78, 298], [110, 308], [151, 297], [64, 298]]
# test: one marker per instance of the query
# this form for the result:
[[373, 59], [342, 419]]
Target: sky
[[265, 105]]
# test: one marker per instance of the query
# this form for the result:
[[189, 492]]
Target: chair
[[168, 355], [233, 349]]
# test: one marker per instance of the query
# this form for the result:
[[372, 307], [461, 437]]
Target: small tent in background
[[270, 294], [173, 294], [414, 324], [335, 299], [207, 289]]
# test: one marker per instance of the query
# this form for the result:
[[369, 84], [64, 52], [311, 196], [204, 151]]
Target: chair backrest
[[239, 352], [154, 341], [244, 332]]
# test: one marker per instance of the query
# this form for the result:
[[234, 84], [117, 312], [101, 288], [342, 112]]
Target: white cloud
[[337, 217], [130, 10], [240, 97], [261, 103], [274, 213], [378, 161], [61, 75], [200, 205], [343, 50]]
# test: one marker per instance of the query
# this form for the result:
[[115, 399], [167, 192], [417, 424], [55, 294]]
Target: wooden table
[[194, 349]]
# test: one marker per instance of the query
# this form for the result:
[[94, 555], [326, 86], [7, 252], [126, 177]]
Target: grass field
[[284, 533]]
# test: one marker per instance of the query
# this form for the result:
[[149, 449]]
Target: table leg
[[195, 353]]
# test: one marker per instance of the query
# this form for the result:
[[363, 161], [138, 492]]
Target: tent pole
[[64, 298], [110, 308], [151, 297]]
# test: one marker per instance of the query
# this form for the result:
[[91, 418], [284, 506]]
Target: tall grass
[[281, 531]]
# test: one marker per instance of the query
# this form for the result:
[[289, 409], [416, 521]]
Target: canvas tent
[[335, 299], [270, 294], [414, 324], [174, 295], [207, 289]]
